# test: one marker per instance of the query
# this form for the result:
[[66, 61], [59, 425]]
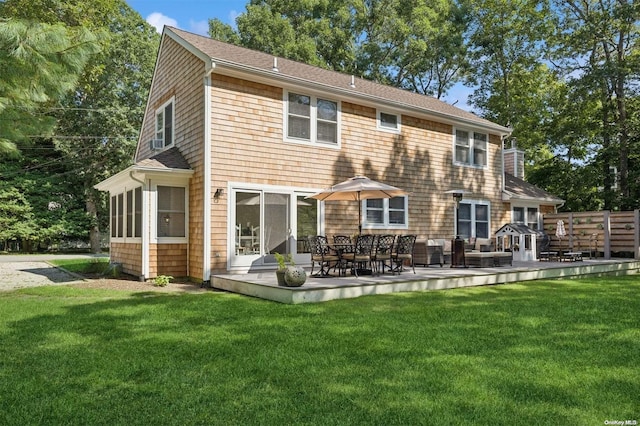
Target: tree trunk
[[94, 231], [622, 126]]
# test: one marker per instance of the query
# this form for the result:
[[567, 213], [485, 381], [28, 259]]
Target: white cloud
[[199, 27], [158, 20]]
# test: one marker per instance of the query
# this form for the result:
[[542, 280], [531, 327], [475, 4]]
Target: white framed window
[[388, 122], [386, 213], [311, 119], [171, 211], [528, 215], [126, 214], [165, 123], [470, 148], [474, 217]]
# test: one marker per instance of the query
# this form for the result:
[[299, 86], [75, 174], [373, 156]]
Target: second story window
[[388, 122], [164, 124], [311, 119], [471, 148]]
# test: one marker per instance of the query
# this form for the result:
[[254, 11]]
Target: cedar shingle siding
[[248, 145]]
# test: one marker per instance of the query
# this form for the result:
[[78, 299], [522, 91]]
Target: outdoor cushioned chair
[[322, 254], [361, 256], [403, 252], [381, 256]]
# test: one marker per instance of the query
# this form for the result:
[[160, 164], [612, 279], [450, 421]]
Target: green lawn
[[554, 352]]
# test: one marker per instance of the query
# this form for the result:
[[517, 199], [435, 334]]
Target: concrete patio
[[263, 284]]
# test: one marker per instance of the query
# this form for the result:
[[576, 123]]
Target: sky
[[194, 15]]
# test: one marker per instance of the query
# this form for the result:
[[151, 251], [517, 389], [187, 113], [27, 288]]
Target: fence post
[[636, 234], [606, 222], [570, 229]]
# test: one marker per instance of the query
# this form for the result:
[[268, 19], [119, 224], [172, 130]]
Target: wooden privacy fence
[[604, 232]]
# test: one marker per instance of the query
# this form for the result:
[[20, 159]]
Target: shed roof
[[260, 63], [169, 159], [518, 189]]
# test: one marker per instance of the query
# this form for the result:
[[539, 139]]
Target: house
[[234, 140]]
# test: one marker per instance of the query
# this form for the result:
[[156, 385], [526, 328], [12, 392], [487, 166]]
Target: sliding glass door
[[265, 222]]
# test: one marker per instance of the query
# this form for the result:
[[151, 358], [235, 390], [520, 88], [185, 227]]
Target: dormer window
[[164, 123]]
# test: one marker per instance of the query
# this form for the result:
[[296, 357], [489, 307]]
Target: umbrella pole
[[359, 215]]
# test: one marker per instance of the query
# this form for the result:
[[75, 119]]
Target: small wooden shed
[[520, 239]]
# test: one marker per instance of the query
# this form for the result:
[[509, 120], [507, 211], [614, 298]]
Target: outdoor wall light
[[219, 193]]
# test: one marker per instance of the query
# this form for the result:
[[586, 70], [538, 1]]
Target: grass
[[554, 352], [97, 265]]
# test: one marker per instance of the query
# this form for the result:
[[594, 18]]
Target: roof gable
[[259, 63]]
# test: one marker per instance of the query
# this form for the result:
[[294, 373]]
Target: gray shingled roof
[[262, 63], [169, 159], [518, 188]]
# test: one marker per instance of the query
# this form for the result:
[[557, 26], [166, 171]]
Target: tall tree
[[411, 44], [601, 45], [98, 123], [39, 63], [507, 46], [406, 43]]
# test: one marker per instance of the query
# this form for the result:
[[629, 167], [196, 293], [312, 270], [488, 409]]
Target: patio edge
[[263, 289]]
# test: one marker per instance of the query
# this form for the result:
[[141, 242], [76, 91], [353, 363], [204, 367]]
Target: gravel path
[[23, 274]]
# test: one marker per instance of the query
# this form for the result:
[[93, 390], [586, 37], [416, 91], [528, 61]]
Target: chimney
[[513, 159]]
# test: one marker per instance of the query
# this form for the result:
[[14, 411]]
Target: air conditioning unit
[[156, 144]]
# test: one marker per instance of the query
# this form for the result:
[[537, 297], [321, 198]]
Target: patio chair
[[343, 245], [382, 253], [343, 241], [322, 254], [360, 259], [403, 252]]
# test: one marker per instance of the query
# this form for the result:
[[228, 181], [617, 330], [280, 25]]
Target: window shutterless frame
[[310, 119], [165, 123], [388, 121], [470, 148], [386, 213]]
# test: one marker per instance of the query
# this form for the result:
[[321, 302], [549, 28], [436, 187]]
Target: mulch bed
[[130, 283]]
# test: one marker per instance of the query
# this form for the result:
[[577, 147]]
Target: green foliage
[[92, 266], [544, 352], [283, 260], [96, 124], [40, 63], [162, 280]]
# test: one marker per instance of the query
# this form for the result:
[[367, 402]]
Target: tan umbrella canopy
[[358, 188]]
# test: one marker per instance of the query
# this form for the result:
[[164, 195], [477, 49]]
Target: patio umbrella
[[560, 230], [358, 188]]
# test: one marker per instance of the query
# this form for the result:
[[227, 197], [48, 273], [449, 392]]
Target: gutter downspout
[[144, 235], [502, 140], [206, 244]]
